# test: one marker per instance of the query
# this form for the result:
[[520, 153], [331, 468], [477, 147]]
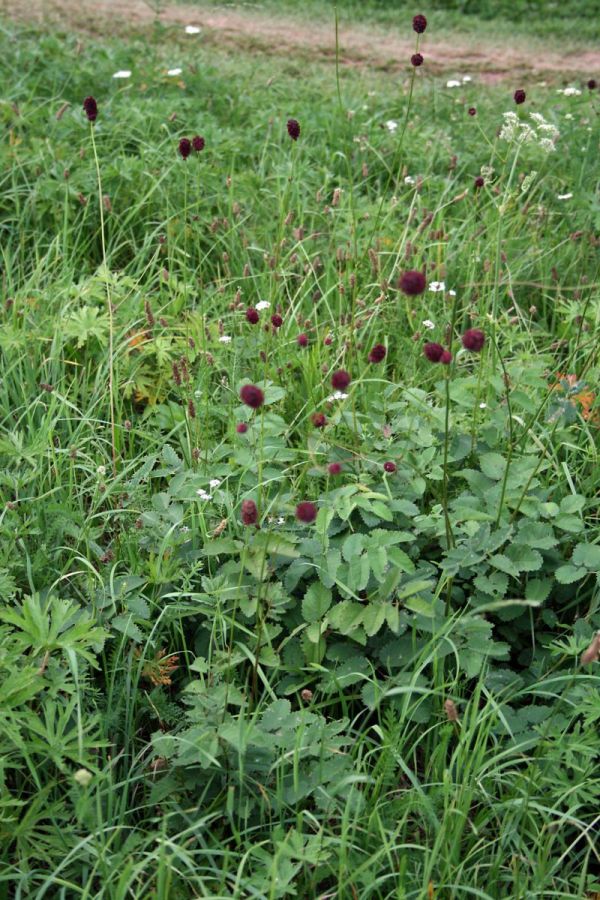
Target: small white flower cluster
[[339, 395], [410, 179], [391, 125], [514, 130], [428, 324], [454, 82], [123, 73], [437, 286], [263, 304], [204, 495], [192, 29], [174, 72], [569, 91], [225, 339], [564, 196]]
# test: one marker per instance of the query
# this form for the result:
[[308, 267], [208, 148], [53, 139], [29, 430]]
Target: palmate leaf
[[55, 624], [85, 325]]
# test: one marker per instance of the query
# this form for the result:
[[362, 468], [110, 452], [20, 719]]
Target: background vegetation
[[400, 699]]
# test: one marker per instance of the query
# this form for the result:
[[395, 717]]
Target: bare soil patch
[[361, 45]]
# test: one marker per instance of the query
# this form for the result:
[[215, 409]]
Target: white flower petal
[[263, 304], [122, 73], [437, 286], [174, 71], [564, 196], [391, 125], [428, 324], [192, 29], [225, 339], [453, 83]]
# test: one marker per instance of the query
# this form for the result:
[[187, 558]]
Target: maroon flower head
[[592, 84], [249, 512], [389, 466], [276, 321], [473, 339], [417, 59], [412, 283], [340, 380], [377, 354], [446, 358], [185, 147], [328, 340], [306, 512], [252, 396], [252, 315], [433, 351], [293, 128], [519, 96], [91, 108], [472, 111], [302, 340], [319, 420], [198, 143], [241, 427], [419, 24], [334, 468], [478, 183]]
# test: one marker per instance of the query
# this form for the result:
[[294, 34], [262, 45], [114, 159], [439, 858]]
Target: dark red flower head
[[334, 468], [377, 354], [419, 24], [252, 396], [472, 111], [185, 147], [433, 351], [446, 358], [91, 108], [592, 84], [293, 127], [412, 283], [319, 420], [302, 340], [389, 466], [241, 428], [340, 380], [479, 182], [520, 96], [473, 339], [417, 59], [249, 512], [306, 512], [276, 321], [252, 315], [198, 143]]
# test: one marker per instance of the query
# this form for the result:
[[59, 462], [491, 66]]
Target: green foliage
[[388, 701]]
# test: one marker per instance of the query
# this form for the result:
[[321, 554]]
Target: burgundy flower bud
[[293, 128], [412, 283], [446, 358], [478, 183], [185, 147], [417, 59], [198, 143], [377, 354], [276, 321], [306, 512], [249, 512], [472, 111], [389, 466], [473, 339], [340, 380], [91, 108], [519, 96], [592, 84], [319, 420], [328, 341], [433, 351], [252, 396], [419, 24], [334, 468], [302, 340], [241, 427], [252, 315]]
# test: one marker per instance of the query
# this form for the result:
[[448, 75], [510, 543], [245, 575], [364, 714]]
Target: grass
[[389, 702]]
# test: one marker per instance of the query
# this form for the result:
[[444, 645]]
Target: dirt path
[[362, 45]]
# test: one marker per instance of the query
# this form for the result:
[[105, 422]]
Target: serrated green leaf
[[587, 555], [373, 618], [492, 465], [568, 574], [353, 546], [315, 602]]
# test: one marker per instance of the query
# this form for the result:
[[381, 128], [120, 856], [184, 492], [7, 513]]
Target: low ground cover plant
[[299, 559]]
